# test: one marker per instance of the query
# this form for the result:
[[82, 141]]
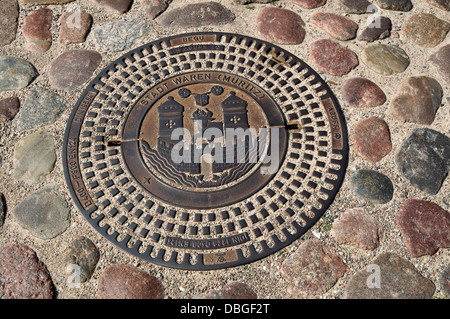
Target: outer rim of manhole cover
[[113, 175]]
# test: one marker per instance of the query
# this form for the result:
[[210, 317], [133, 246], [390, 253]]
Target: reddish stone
[[339, 27], [74, 27], [441, 60], [312, 270], [117, 6], [372, 140], [361, 92], [196, 15], [355, 227], [332, 58], [128, 282], [425, 227], [281, 26], [425, 30], [36, 30], [23, 275], [232, 290], [73, 68], [309, 4], [417, 100], [9, 108], [155, 7]]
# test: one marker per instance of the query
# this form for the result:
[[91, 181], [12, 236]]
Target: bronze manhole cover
[[205, 151]]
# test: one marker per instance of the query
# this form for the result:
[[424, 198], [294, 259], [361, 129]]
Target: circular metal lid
[[205, 151]]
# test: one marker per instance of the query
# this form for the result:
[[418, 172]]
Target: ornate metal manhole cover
[[205, 151]]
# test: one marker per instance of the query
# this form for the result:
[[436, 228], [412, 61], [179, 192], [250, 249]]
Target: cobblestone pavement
[[386, 235]]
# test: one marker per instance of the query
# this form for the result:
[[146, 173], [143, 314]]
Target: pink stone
[[417, 100], [312, 269], [74, 27], [155, 7], [338, 26], [23, 275], [441, 60], [332, 58], [372, 140], [357, 228], [361, 92], [281, 26], [309, 4], [73, 68], [128, 282], [36, 30], [425, 227]]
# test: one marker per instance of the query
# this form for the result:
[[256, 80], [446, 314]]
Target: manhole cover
[[205, 151]]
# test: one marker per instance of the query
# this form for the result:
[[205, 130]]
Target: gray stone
[[355, 6], [396, 5], [73, 68], [398, 279], [445, 280], [2, 210], [385, 59], [34, 157], [424, 159], [197, 15], [379, 31], [15, 73], [9, 14], [41, 107], [120, 35], [45, 213], [417, 100], [372, 186], [84, 254]]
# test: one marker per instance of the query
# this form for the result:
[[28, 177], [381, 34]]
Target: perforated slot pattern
[[295, 198]]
